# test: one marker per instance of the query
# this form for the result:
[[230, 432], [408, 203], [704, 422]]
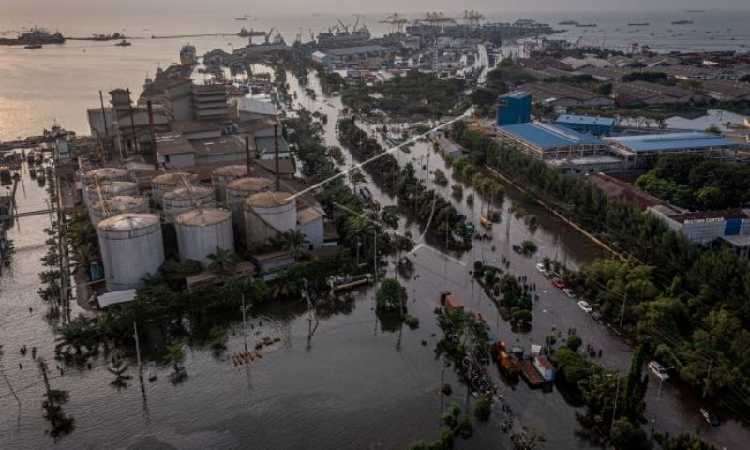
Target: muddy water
[[354, 384]]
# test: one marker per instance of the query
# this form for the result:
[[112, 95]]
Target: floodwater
[[352, 385]]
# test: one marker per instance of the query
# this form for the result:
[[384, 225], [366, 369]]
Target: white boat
[[658, 370]]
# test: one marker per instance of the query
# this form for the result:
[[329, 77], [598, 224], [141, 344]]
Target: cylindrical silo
[[237, 192], [131, 247], [120, 204], [104, 174], [108, 190], [166, 182], [177, 201], [222, 176], [201, 231], [267, 214]]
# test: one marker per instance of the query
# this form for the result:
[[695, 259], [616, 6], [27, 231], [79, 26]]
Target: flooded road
[[353, 385]]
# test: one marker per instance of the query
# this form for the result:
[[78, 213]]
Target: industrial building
[[565, 96], [547, 141], [514, 108], [639, 150], [707, 227], [596, 125]]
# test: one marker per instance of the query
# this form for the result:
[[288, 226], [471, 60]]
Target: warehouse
[[547, 141], [639, 150], [598, 126]]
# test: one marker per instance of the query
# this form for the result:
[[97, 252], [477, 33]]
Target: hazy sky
[[99, 7]]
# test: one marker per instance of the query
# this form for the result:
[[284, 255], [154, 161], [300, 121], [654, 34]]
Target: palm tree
[[223, 261], [293, 241]]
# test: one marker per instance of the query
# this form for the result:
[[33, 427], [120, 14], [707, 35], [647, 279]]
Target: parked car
[[541, 269], [584, 305], [658, 370], [569, 293], [558, 283]]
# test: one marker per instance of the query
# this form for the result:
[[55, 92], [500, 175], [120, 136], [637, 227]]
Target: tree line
[[691, 300]]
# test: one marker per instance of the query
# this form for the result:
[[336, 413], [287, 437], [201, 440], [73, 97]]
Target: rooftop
[[671, 142], [547, 136], [700, 216], [308, 215], [356, 50], [572, 119]]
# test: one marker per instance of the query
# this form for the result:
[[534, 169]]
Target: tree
[[176, 355], [483, 408], [293, 241], [573, 342], [627, 435], [223, 261], [391, 296]]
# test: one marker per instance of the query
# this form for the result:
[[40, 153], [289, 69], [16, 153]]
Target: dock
[[183, 36]]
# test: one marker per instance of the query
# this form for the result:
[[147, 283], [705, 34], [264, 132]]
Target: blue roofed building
[[641, 149], [514, 108], [596, 125]]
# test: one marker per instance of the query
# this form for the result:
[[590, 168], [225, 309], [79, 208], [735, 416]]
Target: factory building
[[547, 141], [639, 151], [598, 126], [707, 227], [514, 108]]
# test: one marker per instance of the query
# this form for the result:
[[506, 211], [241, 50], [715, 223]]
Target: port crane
[[396, 21], [473, 18], [268, 35]]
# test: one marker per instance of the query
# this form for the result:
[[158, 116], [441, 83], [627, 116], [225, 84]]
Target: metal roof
[[547, 136], [672, 142], [516, 95], [572, 119]]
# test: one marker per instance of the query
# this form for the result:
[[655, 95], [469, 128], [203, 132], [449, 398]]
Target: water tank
[[237, 192], [201, 231], [104, 174], [222, 176], [108, 190], [177, 201], [166, 182], [268, 214], [131, 247], [120, 204]]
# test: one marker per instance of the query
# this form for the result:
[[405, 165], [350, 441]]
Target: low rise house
[[649, 94], [564, 95], [640, 149], [727, 90]]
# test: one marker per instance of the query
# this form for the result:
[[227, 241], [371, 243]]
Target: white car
[[541, 269], [569, 293], [585, 306]]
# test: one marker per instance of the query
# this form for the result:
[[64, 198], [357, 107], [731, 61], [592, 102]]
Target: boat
[[32, 46], [586, 25], [568, 22], [639, 24], [658, 370], [682, 22], [710, 418], [123, 43]]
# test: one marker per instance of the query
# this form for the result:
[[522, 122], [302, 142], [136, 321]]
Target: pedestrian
[[20, 366]]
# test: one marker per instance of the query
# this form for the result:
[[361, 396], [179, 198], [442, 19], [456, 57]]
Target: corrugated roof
[[672, 141], [547, 137], [573, 119]]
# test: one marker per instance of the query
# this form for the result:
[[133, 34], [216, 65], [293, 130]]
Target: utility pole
[[244, 322], [276, 152], [708, 378], [622, 312], [138, 351], [614, 409], [104, 115], [375, 256], [247, 155]]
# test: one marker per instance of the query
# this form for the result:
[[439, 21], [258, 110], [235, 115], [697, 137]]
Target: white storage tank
[[120, 204], [108, 190], [201, 231], [177, 201], [166, 182], [132, 248], [237, 192], [267, 214], [104, 174], [222, 176]]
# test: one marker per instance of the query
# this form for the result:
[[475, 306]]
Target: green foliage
[[573, 342], [626, 434], [391, 296], [483, 408], [416, 94], [683, 441]]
